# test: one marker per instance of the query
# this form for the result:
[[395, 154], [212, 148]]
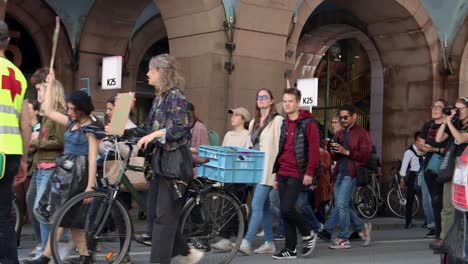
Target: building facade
[[392, 58]]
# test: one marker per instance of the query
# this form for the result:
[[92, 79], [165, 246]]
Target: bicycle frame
[[113, 189], [123, 179], [400, 194]]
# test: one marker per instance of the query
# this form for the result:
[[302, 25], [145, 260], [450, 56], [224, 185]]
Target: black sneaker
[[40, 260], [144, 239], [431, 234], [408, 226], [324, 235], [308, 244], [354, 236], [286, 254]]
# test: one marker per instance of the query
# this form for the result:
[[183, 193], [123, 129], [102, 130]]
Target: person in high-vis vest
[[14, 130]]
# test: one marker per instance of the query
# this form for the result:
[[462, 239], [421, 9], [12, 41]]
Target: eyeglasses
[[344, 117], [438, 107], [335, 122], [461, 108], [263, 97]]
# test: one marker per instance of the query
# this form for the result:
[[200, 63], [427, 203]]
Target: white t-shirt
[[237, 139]]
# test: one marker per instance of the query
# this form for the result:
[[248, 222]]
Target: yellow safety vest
[[12, 90]]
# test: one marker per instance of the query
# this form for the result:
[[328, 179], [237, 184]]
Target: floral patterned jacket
[[169, 112]]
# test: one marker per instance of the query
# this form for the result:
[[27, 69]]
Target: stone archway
[[107, 35], [463, 90], [148, 34], [407, 43], [315, 43], [39, 20]]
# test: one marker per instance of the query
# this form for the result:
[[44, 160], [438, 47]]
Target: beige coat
[[269, 143]]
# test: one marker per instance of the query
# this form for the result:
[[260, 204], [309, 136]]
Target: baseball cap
[[4, 32], [240, 111]]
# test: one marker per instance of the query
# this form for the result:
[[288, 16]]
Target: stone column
[[197, 39]]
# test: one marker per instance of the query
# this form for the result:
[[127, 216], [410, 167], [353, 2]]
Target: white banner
[[309, 91], [112, 72]]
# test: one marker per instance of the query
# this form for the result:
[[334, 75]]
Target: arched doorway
[[145, 92], [358, 73], [405, 39], [22, 51]]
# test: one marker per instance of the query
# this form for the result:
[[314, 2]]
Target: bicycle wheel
[[17, 216], [102, 226], [366, 202], [211, 219], [415, 205], [396, 202]]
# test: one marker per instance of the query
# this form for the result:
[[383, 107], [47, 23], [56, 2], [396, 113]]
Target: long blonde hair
[[169, 71], [55, 97]]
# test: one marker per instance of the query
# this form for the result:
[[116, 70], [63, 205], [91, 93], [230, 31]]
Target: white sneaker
[[365, 234], [261, 234], [223, 245], [321, 227], [35, 251], [245, 247], [340, 244], [66, 249], [193, 257], [266, 248]]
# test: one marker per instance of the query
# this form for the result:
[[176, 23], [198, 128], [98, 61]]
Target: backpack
[[213, 138], [319, 171]]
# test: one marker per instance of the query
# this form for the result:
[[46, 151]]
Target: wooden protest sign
[[123, 104], [55, 41]]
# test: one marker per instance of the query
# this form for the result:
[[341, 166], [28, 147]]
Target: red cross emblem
[[10, 83]]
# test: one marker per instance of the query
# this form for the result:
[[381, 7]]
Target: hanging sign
[[309, 91], [112, 72]]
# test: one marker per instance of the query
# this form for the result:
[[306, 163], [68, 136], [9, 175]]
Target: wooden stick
[[55, 41]]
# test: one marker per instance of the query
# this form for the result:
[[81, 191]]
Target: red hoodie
[[287, 159]]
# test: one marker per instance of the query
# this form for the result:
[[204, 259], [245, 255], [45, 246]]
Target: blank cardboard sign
[[123, 104]]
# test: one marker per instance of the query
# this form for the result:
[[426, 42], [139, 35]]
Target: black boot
[[80, 260], [40, 260]]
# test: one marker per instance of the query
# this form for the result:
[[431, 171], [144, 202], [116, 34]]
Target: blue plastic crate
[[232, 164]]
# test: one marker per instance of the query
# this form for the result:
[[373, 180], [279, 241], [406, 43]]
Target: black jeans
[[437, 192], [166, 240], [8, 251], [410, 193], [289, 189]]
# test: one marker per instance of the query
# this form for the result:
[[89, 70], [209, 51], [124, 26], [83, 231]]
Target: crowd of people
[[47, 136]]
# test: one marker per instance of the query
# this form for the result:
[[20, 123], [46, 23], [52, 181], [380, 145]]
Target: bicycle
[[109, 228], [18, 217], [369, 199], [396, 198]]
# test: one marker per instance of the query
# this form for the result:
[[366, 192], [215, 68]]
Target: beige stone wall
[[264, 31]]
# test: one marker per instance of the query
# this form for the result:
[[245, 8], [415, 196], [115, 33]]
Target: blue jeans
[[42, 178], [333, 220], [426, 202], [261, 213], [343, 190], [307, 211], [275, 212]]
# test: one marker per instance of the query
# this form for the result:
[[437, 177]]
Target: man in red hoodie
[[298, 159], [352, 150]]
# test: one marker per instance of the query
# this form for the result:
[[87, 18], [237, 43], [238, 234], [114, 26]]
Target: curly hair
[[169, 71]]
